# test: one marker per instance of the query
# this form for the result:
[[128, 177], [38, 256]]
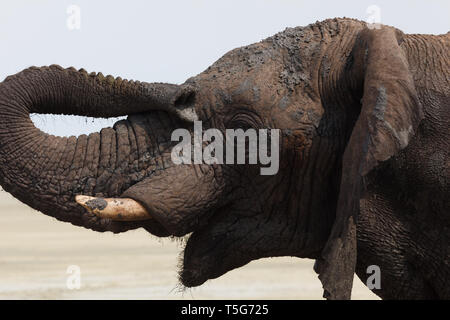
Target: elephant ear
[[390, 114]]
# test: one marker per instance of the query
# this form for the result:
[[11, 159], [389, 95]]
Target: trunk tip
[[118, 209]]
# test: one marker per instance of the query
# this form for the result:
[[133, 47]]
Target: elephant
[[363, 174]]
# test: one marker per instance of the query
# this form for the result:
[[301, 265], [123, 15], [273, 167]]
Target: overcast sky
[[169, 41]]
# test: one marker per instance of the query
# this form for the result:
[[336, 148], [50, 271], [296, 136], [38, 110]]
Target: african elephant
[[363, 174]]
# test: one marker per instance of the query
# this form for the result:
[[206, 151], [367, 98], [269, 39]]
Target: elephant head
[[339, 93]]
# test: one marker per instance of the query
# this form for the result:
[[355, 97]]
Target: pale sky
[[169, 41]]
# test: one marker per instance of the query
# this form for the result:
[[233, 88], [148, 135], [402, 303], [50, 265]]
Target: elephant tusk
[[117, 209]]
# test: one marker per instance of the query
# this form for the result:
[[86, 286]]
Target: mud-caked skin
[[364, 167]]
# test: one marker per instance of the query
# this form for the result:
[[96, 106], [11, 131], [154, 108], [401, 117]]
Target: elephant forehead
[[272, 77], [244, 60], [242, 70]]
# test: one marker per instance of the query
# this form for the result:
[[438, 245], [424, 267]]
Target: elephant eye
[[239, 124], [244, 120]]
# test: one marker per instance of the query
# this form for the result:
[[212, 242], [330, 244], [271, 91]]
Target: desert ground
[[36, 252]]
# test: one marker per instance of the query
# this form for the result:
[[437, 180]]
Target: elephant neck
[[426, 58]]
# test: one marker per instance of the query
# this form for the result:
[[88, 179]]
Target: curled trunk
[[47, 172]]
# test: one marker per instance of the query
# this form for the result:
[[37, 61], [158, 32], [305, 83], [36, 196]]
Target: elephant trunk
[[47, 172]]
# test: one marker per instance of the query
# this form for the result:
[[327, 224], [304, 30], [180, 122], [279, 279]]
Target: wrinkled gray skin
[[364, 156]]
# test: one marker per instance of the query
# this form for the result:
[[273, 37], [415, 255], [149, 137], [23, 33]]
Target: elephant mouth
[[215, 248], [193, 225], [197, 266]]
